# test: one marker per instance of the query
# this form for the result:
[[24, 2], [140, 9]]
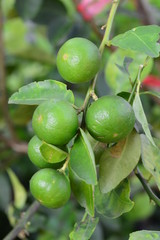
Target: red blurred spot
[[151, 82], [90, 8]]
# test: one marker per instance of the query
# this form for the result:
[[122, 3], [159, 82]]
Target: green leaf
[[5, 193], [113, 204], [20, 194], [143, 39], [38, 92], [52, 154], [82, 160], [118, 162], [83, 192], [141, 117], [145, 235], [150, 158], [118, 79], [152, 93], [84, 229]]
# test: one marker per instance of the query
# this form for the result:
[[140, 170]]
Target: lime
[[50, 187], [78, 60], [55, 122], [110, 119], [36, 157]]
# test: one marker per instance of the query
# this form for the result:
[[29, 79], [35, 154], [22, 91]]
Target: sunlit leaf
[[82, 160], [118, 162], [52, 154], [143, 39], [38, 92]]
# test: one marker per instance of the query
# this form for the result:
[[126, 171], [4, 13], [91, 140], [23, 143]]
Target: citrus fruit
[[110, 119], [78, 60], [36, 157], [55, 122], [50, 187]]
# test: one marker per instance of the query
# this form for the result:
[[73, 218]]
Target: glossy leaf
[[5, 193], [118, 78], [84, 229], [52, 154], [118, 162], [83, 192], [143, 39], [113, 204], [20, 194], [144, 235], [150, 158], [82, 160], [38, 92], [141, 117]]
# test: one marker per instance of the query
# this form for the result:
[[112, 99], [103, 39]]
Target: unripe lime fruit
[[36, 157], [55, 122], [50, 187], [110, 119], [78, 60]]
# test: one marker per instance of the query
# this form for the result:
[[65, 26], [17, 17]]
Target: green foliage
[[118, 162], [113, 204], [82, 160], [38, 92], [83, 192], [143, 39], [121, 66], [84, 229], [144, 234], [52, 154], [141, 117]]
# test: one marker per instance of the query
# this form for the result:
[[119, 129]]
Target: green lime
[[110, 119], [55, 122], [36, 157], [78, 60], [50, 187]]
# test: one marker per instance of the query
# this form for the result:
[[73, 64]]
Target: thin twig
[[23, 221], [146, 187]]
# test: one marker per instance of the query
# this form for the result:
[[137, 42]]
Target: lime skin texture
[[55, 122], [36, 157], [50, 187], [78, 60], [110, 119]]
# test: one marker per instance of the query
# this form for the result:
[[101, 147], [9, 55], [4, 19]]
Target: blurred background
[[31, 32]]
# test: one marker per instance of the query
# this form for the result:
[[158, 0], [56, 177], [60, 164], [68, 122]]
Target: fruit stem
[[109, 23], [146, 187], [137, 82], [65, 165], [104, 42]]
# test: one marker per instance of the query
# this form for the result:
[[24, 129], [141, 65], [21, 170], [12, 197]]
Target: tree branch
[[23, 221], [146, 187]]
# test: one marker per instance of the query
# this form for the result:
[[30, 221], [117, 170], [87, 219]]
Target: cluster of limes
[[109, 119]]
